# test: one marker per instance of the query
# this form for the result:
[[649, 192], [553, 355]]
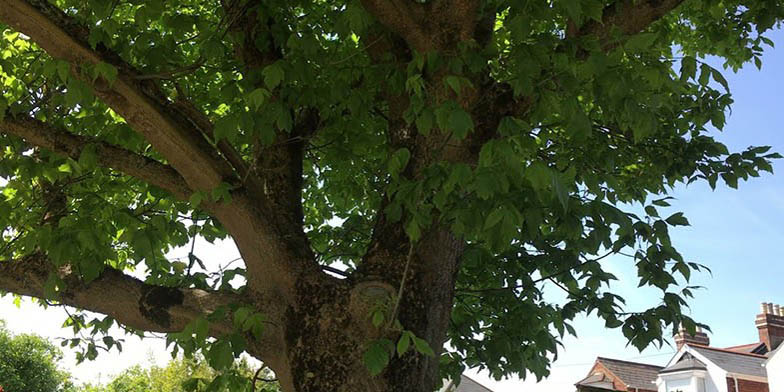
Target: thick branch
[[433, 25], [398, 16], [126, 299], [59, 141], [170, 133], [628, 17], [276, 171], [203, 123], [138, 305], [274, 259]]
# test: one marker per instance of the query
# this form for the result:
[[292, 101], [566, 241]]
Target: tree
[[28, 363], [188, 375], [395, 173]]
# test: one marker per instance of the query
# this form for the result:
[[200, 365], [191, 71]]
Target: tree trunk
[[329, 328]]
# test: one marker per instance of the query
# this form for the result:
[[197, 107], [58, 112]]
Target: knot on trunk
[[371, 297]]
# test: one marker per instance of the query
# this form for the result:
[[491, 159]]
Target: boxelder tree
[[396, 174]]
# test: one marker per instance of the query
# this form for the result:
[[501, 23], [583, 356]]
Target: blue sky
[[737, 233]]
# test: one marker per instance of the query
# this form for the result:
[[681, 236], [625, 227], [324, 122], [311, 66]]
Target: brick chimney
[[770, 324], [699, 337]]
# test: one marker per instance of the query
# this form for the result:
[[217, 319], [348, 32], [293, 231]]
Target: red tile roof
[[633, 374]]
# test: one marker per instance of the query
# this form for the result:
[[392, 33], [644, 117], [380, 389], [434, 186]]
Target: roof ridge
[[630, 362], [742, 345], [726, 351]]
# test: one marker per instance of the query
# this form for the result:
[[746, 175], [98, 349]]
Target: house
[[775, 368], [615, 375], [699, 367], [466, 385]]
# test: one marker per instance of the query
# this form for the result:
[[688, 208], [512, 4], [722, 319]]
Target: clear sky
[[737, 233]]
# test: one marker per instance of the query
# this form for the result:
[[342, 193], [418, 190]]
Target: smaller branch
[[543, 278], [334, 270], [257, 377], [402, 284], [59, 141], [171, 74], [559, 273]]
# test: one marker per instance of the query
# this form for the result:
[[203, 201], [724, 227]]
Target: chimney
[[770, 324], [699, 338]]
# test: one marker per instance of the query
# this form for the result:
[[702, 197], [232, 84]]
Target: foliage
[[541, 137], [185, 375], [28, 363]]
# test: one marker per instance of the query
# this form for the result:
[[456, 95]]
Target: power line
[[638, 357]]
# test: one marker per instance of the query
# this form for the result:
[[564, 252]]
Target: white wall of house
[[775, 369], [677, 384], [712, 380], [687, 381]]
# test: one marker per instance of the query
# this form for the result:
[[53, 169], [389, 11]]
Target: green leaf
[[561, 191], [688, 67], [258, 97], [398, 161], [220, 355], [378, 318], [403, 343], [640, 42], [494, 218], [191, 384], [593, 9], [460, 123], [573, 9], [539, 175], [677, 219], [240, 315], [376, 357], [273, 75], [717, 76], [106, 71], [63, 70], [454, 83], [88, 158], [424, 122], [413, 230], [226, 128], [422, 346], [196, 198]]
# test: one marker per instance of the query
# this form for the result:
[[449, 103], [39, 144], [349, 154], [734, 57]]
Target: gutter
[[747, 377]]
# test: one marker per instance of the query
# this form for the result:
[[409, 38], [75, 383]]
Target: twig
[[335, 270], [402, 283], [256, 377], [175, 72]]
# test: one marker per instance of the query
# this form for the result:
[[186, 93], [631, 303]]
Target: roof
[[751, 348], [734, 362], [466, 385], [687, 362], [633, 374], [597, 381]]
